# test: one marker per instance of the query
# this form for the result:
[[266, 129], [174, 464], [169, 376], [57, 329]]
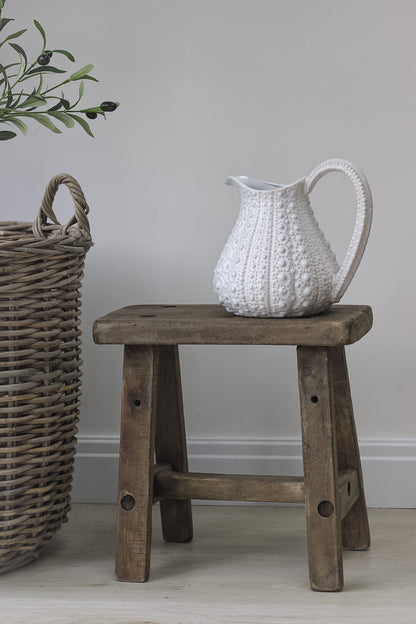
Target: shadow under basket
[[41, 268]]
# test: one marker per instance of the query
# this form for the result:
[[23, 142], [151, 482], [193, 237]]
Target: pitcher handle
[[363, 219]]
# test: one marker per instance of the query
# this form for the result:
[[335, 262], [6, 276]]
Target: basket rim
[[17, 237]]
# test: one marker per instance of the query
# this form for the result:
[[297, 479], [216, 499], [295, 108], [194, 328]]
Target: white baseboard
[[389, 466]]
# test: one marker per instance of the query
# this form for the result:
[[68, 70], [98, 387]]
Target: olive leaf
[[66, 119], [81, 73], [82, 123], [19, 50], [65, 53], [45, 70], [42, 32], [19, 124], [13, 36], [4, 21], [43, 120]]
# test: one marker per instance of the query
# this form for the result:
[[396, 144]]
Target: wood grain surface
[[212, 324]]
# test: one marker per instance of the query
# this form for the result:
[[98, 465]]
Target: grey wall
[[267, 88]]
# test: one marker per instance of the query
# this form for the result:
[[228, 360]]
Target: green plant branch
[[16, 102]]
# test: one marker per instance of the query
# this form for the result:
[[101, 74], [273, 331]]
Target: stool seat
[[152, 427], [212, 324]]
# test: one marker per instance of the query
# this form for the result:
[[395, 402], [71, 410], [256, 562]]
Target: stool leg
[[320, 469], [170, 443], [355, 529], [135, 482]]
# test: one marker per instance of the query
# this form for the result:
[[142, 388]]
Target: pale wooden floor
[[247, 565]]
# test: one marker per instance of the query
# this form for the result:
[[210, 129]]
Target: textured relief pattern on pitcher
[[229, 276], [265, 268]]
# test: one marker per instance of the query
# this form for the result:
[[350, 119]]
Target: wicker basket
[[41, 267]]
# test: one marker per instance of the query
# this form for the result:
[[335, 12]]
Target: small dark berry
[[91, 115], [44, 59], [108, 107], [48, 53]]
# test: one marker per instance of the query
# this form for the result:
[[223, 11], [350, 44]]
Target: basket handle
[[46, 211]]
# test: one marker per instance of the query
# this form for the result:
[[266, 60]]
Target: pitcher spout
[[252, 184]]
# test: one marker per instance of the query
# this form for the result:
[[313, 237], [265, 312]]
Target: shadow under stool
[[152, 426]]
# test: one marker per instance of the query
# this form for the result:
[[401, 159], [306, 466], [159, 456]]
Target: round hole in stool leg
[[127, 502], [314, 399], [137, 402], [325, 509]]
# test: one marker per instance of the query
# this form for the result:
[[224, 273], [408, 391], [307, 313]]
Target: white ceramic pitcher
[[276, 262]]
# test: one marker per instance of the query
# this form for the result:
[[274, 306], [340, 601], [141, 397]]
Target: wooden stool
[[152, 424]]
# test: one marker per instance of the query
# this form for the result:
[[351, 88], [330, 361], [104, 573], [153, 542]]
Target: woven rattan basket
[[41, 267]]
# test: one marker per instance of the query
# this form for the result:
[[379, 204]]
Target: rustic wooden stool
[[152, 425]]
